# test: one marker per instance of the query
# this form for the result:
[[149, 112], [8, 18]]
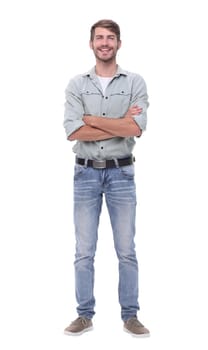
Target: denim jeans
[[118, 186]]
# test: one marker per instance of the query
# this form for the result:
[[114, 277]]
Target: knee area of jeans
[[84, 258], [127, 258]]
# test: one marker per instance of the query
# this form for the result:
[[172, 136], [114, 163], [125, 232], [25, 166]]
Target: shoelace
[[135, 321], [80, 319]]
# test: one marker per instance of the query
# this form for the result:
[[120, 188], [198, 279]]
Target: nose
[[105, 42]]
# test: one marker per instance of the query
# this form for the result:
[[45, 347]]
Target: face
[[105, 45]]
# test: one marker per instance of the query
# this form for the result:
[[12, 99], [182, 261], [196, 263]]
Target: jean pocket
[[78, 170], [128, 171]]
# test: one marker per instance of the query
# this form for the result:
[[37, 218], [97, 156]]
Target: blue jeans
[[118, 186]]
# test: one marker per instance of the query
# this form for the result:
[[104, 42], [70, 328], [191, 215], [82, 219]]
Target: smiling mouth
[[104, 50]]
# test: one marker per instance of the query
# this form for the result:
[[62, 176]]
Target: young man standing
[[105, 110]]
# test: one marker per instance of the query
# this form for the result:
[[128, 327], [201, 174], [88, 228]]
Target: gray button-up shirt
[[84, 95]]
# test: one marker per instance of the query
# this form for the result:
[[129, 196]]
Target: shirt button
[[106, 97], [101, 147], [103, 113]]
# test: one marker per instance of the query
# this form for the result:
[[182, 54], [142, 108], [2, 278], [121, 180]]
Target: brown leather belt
[[104, 164]]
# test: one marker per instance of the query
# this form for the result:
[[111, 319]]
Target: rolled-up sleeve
[[140, 98], [74, 111]]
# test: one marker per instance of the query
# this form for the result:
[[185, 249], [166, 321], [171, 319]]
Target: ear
[[119, 44], [90, 44]]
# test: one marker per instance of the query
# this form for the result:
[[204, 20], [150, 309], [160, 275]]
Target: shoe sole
[[79, 333], [143, 335]]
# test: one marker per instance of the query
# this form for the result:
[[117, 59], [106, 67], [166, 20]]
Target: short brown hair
[[108, 24]]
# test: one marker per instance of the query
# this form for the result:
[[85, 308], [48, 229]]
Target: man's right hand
[[132, 111]]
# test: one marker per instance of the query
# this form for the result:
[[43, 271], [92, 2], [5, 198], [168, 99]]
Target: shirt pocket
[[119, 103], [91, 100]]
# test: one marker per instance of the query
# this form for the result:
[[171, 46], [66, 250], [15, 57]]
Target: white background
[[43, 44]]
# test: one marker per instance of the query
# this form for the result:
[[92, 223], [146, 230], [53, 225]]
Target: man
[[105, 110]]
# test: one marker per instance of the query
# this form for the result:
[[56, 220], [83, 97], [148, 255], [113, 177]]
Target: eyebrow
[[108, 36]]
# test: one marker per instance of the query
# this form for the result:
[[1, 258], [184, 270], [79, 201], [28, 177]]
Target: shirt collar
[[91, 73]]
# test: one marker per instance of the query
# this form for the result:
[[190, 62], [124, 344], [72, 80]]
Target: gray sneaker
[[136, 328], [79, 326]]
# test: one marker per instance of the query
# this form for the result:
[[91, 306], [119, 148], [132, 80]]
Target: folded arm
[[99, 128], [88, 133], [119, 127]]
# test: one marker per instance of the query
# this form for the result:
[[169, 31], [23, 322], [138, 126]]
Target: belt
[[103, 164]]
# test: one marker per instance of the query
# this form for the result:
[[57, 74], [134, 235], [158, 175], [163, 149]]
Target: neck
[[106, 69]]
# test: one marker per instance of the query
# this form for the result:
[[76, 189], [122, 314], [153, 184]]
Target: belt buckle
[[99, 164]]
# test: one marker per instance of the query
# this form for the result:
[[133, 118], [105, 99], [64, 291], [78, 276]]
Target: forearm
[[88, 133], [119, 127]]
